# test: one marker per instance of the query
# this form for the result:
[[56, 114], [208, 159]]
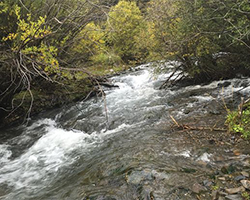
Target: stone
[[224, 84], [224, 170], [237, 152], [214, 194], [197, 188], [246, 184], [214, 112], [228, 169], [234, 197], [222, 178], [187, 111], [245, 174], [207, 183], [222, 193], [201, 163], [235, 190], [136, 177], [239, 178]]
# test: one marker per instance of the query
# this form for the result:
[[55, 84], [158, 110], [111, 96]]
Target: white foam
[[186, 154], [204, 98], [41, 161], [205, 157], [5, 154], [245, 91]]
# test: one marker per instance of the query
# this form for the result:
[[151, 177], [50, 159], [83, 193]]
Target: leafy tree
[[36, 44], [123, 25], [209, 38]]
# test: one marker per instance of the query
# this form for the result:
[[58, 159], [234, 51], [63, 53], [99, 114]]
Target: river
[[120, 147]]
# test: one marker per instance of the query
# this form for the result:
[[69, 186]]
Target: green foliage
[[215, 187], [123, 26], [239, 122], [106, 59], [245, 195], [90, 42], [22, 41], [194, 32]]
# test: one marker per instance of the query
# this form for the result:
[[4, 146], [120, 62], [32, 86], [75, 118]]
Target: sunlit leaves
[[24, 41], [124, 25]]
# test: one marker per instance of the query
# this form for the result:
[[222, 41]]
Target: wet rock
[[187, 111], [188, 170], [224, 84], [245, 174], [215, 112], [235, 190], [221, 178], [236, 152], [137, 177], [197, 188], [234, 197], [202, 163], [207, 183], [239, 178], [228, 169], [215, 194], [223, 193], [246, 184], [219, 158], [159, 175], [224, 170], [212, 141]]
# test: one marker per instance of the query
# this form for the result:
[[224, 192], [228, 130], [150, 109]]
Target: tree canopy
[[53, 40]]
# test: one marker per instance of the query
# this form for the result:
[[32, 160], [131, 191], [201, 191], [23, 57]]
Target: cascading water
[[79, 153]]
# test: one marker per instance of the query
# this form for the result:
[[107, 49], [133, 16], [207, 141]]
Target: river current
[[120, 147]]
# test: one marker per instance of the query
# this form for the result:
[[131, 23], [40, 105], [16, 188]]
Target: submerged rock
[[246, 184], [245, 174], [235, 190], [137, 177], [234, 197], [197, 188], [239, 178]]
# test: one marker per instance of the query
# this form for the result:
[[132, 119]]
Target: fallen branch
[[200, 128]]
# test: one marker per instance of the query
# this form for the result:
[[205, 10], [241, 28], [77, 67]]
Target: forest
[[52, 52]]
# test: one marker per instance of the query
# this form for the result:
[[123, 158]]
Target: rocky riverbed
[[137, 143]]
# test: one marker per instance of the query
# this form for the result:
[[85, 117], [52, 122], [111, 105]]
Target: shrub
[[239, 121]]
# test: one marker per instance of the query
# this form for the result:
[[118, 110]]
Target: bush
[[239, 121], [106, 59]]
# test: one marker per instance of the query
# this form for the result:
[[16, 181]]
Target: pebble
[[197, 188], [214, 194], [224, 84], [246, 184], [222, 178], [223, 193], [228, 169], [239, 178], [234, 197], [245, 174], [235, 190], [207, 183], [236, 152], [201, 163]]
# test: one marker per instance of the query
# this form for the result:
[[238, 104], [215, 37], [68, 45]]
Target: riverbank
[[47, 95], [225, 176]]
